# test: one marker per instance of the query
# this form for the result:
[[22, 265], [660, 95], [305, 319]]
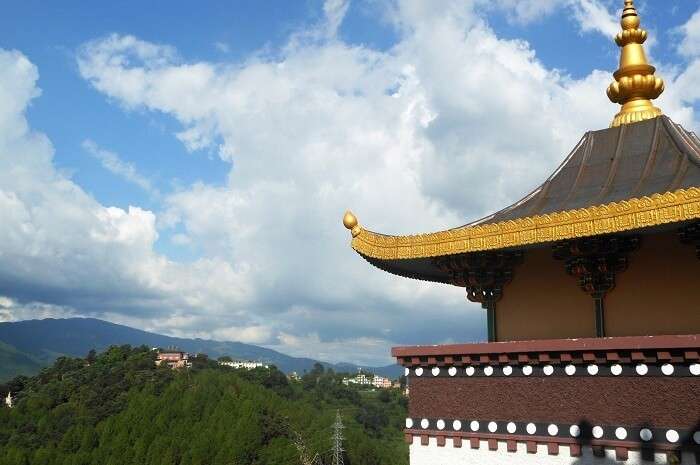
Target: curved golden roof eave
[[627, 215], [655, 199]]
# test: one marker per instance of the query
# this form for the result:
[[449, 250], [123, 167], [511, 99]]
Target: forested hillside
[[117, 408]]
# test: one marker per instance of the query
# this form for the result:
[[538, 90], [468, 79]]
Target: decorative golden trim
[[626, 215]]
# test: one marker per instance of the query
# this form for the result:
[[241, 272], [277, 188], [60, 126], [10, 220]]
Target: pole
[[338, 439], [599, 317], [491, 320]]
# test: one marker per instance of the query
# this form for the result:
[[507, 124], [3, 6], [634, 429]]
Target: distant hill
[[26, 346], [13, 363]]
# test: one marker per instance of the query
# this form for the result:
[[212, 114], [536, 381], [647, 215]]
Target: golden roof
[[642, 172]]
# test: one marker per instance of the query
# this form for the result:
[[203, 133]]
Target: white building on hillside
[[373, 380], [381, 382], [8, 400], [244, 364]]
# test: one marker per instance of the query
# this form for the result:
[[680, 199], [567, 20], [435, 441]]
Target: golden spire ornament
[[635, 84]]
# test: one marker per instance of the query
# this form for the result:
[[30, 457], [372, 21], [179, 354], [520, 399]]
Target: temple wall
[[659, 293], [568, 401], [449, 455], [543, 302]]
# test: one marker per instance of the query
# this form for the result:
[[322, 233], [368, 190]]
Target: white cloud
[[258, 334], [593, 15], [690, 32], [113, 163], [334, 12], [449, 124], [683, 93], [362, 351], [61, 249], [589, 15], [406, 138], [15, 311]]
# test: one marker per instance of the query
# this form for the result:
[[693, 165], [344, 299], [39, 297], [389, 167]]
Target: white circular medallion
[[592, 370], [419, 371], [548, 370], [488, 371], [409, 423], [597, 432], [456, 425], [424, 423], [452, 371], [672, 435], [621, 433], [493, 426], [696, 437], [511, 428], [553, 430], [441, 425], [645, 434], [470, 371], [641, 369], [616, 369], [667, 369], [695, 369], [474, 425], [531, 428], [507, 370], [575, 431], [406, 371], [527, 370], [570, 370], [435, 371]]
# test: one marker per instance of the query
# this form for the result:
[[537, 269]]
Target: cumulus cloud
[[11, 310], [412, 139], [61, 248], [449, 124]]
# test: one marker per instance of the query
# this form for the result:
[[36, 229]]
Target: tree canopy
[[118, 408]]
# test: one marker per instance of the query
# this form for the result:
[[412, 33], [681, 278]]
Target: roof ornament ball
[[350, 222], [635, 84]]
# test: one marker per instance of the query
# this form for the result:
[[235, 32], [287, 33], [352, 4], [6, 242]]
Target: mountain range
[[27, 346]]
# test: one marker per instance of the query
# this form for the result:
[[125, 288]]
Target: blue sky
[[201, 155]]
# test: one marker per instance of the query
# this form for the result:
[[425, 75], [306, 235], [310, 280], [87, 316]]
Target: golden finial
[[635, 84], [350, 222]]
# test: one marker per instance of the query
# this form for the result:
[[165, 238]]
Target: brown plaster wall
[[543, 302], [652, 401], [659, 293]]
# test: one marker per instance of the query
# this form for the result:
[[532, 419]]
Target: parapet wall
[[622, 396]]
